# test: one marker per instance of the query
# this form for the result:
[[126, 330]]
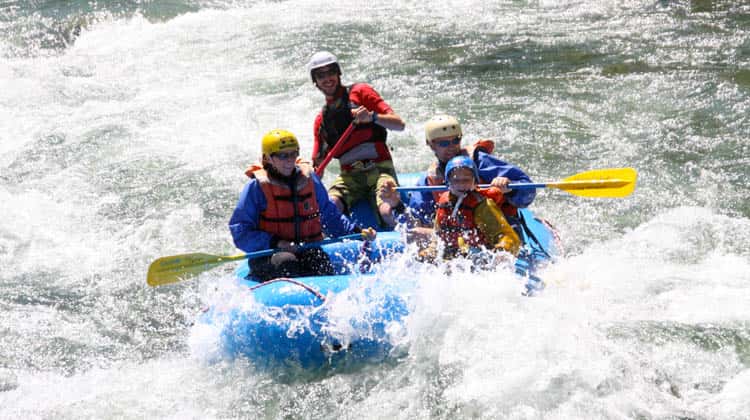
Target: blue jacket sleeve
[[422, 203], [491, 167], [244, 223], [334, 223]]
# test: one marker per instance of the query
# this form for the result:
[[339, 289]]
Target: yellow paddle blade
[[167, 270], [610, 183]]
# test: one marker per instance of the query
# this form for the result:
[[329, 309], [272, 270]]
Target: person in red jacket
[[364, 157]]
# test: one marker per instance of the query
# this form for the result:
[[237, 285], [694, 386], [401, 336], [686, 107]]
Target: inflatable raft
[[354, 316]]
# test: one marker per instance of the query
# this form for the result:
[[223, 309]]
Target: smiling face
[[327, 79], [461, 180], [284, 162]]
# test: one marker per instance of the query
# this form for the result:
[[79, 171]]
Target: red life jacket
[[336, 118], [495, 195], [463, 225], [291, 214]]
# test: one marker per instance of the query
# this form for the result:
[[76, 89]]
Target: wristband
[[374, 117]]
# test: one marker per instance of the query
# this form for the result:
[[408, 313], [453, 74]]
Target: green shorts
[[350, 187]]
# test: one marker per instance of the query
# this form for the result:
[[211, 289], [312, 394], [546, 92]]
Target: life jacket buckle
[[361, 165]]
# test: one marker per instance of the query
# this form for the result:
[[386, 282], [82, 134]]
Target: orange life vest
[[291, 214], [498, 197], [463, 225]]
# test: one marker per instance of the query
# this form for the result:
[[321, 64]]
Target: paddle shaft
[[267, 252], [176, 268], [334, 150], [608, 183], [517, 186]]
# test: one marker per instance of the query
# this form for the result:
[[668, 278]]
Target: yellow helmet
[[442, 126], [277, 140]]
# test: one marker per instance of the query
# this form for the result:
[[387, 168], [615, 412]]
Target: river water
[[126, 126]]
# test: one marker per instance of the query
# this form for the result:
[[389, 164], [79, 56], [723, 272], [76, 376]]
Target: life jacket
[[292, 211], [450, 228], [464, 225], [494, 194], [366, 141]]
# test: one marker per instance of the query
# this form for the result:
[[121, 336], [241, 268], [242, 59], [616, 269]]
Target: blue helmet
[[460, 161]]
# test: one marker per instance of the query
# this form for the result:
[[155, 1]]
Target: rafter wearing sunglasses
[[445, 143], [325, 72], [286, 155]]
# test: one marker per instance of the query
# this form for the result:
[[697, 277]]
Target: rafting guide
[[352, 127]]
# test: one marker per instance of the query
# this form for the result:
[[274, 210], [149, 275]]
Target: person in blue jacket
[[443, 136], [283, 206]]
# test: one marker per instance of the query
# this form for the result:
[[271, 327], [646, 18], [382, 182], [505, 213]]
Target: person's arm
[[389, 120], [421, 218], [420, 209], [418, 229], [375, 108], [422, 203], [490, 167], [428, 245], [244, 223], [319, 147], [333, 222]]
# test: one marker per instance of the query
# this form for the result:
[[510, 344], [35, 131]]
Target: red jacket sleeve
[[317, 146], [363, 94]]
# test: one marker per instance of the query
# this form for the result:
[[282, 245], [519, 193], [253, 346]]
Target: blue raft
[[299, 322], [293, 321]]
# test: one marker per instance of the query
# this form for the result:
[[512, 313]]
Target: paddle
[[339, 144], [604, 183], [175, 268]]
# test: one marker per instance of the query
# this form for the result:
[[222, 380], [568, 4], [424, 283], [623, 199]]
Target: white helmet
[[322, 59], [442, 126]]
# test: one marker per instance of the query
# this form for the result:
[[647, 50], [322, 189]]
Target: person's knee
[[338, 202], [386, 212], [282, 257]]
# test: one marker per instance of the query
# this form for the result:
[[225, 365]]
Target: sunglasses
[[286, 155], [323, 73], [446, 143]]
